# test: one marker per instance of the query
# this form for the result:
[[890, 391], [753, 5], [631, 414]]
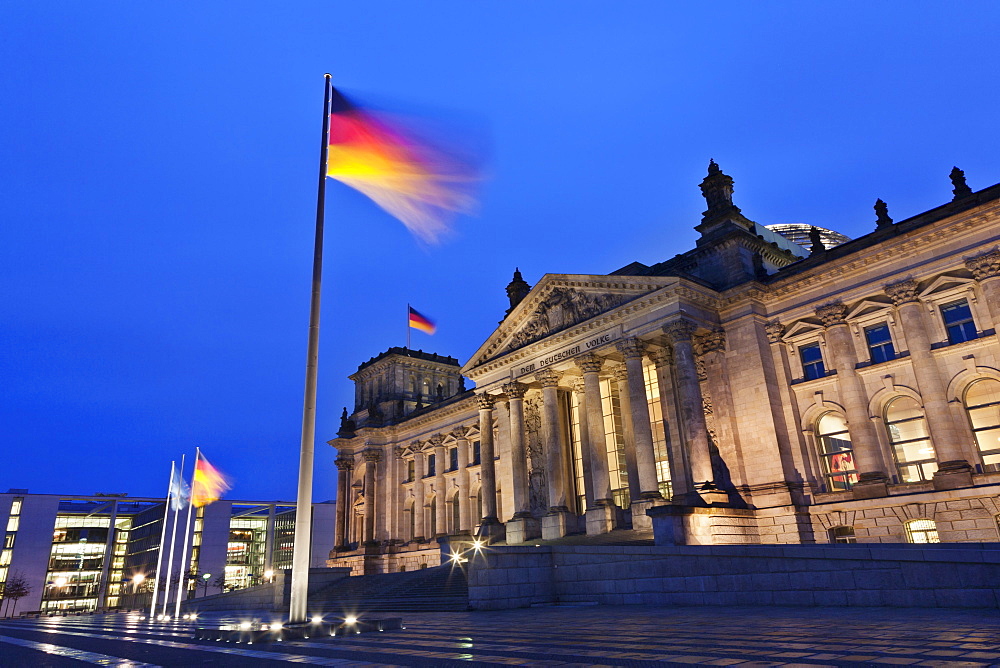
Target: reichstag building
[[778, 384]]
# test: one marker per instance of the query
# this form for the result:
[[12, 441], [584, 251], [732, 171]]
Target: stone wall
[[841, 575], [272, 596]]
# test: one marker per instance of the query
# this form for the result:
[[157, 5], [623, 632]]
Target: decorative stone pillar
[[871, 476], [372, 458], [602, 517], [489, 527], [440, 505], [345, 466], [954, 470], [554, 443], [620, 374], [985, 268], [692, 414], [523, 525], [419, 532], [464, 509], [580, 389], [680, 477], [633, 350]]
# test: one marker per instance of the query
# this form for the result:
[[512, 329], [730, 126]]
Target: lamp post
[[204, 581], [269, 575], [137, 580]]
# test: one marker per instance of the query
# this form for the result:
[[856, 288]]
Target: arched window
[[836, 452], [982, 402], [922, 531], [911, 445], [842, 535]]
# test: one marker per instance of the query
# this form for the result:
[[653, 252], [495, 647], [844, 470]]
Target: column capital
[[712, 342], [986, 265], [515, 390], [834, 313], [344, 463], [631, 348], [774, 330], [372, 455], [398, 452], [589, 363], [548, 378], [459, 433], [902, 292], [579, 386], [620, 373], [661, 357], [437, 440], [486, 401], [679, 330]]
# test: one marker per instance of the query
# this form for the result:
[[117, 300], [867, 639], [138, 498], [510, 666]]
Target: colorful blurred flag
[[422, 185], [421, 322], [208, 484], [180, 493]]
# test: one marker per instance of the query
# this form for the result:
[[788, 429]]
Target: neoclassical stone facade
[[750, 390]]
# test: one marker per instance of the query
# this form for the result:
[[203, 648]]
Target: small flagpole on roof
[[408, 326], [163, 539], [303, 504]]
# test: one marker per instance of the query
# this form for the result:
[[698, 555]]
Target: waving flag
[[180, 493], [422, 185], [208, 485], [421, 322]]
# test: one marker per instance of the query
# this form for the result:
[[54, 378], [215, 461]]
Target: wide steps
[[442, 588]]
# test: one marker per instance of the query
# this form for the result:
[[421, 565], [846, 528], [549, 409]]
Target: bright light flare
[[245, 626], [138, 578], [61, 582], [316, 619], [351, 620], [276, 626]]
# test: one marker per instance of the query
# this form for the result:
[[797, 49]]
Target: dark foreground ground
[[554, 636]]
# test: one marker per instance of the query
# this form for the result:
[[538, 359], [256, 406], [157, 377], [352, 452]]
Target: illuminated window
[[911, 445], [958, 321], [837, 452], [982, 403], [410, 470], [15, 506], [812, 361], [842, 535], [5, 557], [880, 343], [576, 446], [658, 427], [8, 541], [922, 531], [13, 523], [614, 438]]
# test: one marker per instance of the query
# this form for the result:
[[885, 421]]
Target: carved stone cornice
[[902, 292], [986, 265], [774, 330], [589, 363], [344, 463], [679, 330], [515, 390], [631, 348], [834, 313], [372, 455], [548, 378], [712, 342], [485, 401]]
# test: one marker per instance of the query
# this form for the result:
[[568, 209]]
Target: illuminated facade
[[84, 553], [750, 390]]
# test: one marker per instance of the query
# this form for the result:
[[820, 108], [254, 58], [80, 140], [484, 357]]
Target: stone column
[[633, 350], [464, 510], [579, 387], [985, 268], [418, 496], [954, 470], [372, 458], [440, 505], [620, 374], [523, 525], [345, 465], [680, 478], [602, 518], [864, 440], [554, 522], [490, 527], [692, 413]]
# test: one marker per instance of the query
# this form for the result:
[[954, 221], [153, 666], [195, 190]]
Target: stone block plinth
[[555, 524], [640, 520], [601, 519], [521, 529], [691, 525]]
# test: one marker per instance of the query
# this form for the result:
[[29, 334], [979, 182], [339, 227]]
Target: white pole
[[182, 569], [170, 555], [163, 538]]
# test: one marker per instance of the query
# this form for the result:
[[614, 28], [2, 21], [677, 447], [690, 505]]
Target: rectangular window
[[8, 541], [12, 523], [15, 507], [431, 465], [812, 361], [958, 321], [453, 455], [476, 457], [410, 470], [880, 343]]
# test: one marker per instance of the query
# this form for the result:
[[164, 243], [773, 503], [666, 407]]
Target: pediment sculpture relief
[[562, 308]]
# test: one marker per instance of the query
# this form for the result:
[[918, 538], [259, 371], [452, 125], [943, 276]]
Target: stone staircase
[[615, 537], [442, 588]]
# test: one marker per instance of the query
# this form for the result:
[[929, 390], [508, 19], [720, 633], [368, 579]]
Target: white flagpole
[[163, 538], [407, 326], [170, 555], [183, 568]]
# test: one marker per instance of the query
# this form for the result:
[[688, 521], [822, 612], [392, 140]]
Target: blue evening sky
[[158, 179]]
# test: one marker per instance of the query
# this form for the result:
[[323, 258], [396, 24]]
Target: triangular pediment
[[559, 302], [803, 327], [868, 307], [944, 284]]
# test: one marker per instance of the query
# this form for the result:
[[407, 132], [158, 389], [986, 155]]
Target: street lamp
[[269, 575], [204, 582], [137, 580]]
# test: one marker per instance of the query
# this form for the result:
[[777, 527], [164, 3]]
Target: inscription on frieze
[[566, 353]]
